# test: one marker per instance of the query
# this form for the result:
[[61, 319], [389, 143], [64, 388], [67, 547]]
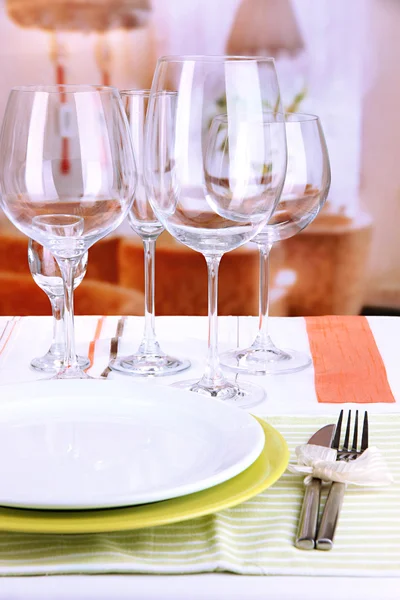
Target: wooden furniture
[[330, 260], [13, 252], [102, 264], [181, 279], [103, 261], [21, 296]]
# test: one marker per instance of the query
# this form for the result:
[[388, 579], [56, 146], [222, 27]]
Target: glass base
[[50, 363], [242, 395], [72, 373], [145, 365], [265, 361]]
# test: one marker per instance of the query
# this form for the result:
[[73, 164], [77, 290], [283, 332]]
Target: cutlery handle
[[306, 532], [330, 516]]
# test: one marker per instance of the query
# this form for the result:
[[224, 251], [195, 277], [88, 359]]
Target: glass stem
[[67, 268], [263, 339], [149, 343], [57, 308], [213, 376]]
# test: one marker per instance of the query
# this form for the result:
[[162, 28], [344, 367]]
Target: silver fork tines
[[355, 435], [364, 438], [334, 500]]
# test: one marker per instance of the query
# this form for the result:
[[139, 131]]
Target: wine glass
[[67, 176], [304, 193], [46, 274], [149, 359], [214, 171]]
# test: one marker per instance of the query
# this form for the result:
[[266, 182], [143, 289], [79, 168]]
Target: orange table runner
[[7, 332], [347, 363]]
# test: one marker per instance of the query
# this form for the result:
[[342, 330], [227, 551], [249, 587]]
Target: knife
[[307, 529]]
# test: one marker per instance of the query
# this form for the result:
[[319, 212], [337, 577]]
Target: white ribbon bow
[[369, 469]]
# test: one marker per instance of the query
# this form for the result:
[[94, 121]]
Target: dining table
[[356, 365]]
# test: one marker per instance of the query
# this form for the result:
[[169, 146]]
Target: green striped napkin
[[253, 538]]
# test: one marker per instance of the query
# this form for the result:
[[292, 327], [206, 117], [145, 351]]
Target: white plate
[[98, 444]]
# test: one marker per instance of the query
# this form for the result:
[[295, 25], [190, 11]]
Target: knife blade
[[307, 529]]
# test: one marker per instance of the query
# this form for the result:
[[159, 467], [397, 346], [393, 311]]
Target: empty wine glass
[[214, 171], [46, 274], [304, 193], [67, 176], [149, 359]]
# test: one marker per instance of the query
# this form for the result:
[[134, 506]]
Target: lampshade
[[79, 15], [265, 27]]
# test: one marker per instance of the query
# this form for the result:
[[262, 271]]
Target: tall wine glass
[[149, 359], [215, 171], [67, 176], [46, 274], [304, 193]]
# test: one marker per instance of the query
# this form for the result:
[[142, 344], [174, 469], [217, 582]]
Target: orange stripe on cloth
[[347, 363], [92, 345]]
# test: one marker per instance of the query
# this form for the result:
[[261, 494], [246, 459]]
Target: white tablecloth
[[286, 394]]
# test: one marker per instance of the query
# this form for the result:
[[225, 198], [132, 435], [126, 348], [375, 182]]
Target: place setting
[[160, 468], [152, 444], [249, 524]]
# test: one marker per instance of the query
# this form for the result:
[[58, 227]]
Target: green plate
[[263, 473]]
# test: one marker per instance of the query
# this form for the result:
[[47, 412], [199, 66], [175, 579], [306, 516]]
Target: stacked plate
[[95, 456]]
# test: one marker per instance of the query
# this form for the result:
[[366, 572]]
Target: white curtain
[[193, 26], [335, 34], [332, 65]]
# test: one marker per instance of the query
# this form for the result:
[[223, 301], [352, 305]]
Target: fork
[[114, 343], [330, 517]]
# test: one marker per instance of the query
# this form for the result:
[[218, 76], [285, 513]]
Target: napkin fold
[[369, 469]]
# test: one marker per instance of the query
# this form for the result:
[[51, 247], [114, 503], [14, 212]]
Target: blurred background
[[338, 59]]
